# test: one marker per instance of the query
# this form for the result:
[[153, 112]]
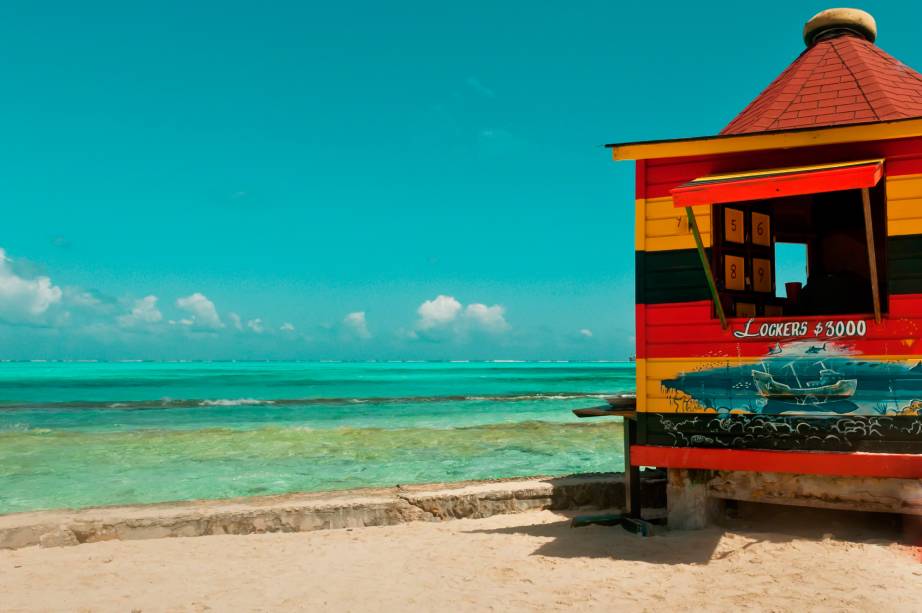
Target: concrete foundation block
[[62, 537], [688, 506]]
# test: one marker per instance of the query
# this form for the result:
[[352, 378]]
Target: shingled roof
[[841, 79]]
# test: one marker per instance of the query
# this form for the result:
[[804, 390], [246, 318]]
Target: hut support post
[[631, 473], [712, 286], [872, 253]]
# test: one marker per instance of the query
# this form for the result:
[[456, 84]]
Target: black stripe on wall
[[873, 434], [670, 276], [904, 264]]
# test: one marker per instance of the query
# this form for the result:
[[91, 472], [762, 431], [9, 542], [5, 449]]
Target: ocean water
[[86, 434]]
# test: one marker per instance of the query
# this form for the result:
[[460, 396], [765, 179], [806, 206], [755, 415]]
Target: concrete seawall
[[322, 510]]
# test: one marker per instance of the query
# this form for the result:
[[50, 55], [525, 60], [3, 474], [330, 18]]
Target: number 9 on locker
[[761, 275]]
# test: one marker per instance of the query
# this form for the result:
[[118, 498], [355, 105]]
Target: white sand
[[528, 561]]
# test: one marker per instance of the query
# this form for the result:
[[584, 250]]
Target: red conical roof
[[841, 80]]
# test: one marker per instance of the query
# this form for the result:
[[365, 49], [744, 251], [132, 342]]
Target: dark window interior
[[831, 227]]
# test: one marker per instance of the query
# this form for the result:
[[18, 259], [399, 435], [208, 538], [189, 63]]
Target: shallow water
[[83, 434]]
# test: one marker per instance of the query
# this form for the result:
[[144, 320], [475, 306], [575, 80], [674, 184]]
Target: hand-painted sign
[[798, 329]]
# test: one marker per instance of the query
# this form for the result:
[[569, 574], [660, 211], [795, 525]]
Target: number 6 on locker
[[761, 230]]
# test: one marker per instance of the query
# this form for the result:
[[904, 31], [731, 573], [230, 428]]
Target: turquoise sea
[[84, 434]]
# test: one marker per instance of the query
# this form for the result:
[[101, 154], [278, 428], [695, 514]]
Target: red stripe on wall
[[904, 157], [902, 466], [669, 313], [910, 165], [905, 305], [640, 179], [689, 330], [640, 319]]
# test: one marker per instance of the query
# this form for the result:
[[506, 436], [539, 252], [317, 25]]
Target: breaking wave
[[185, 403]]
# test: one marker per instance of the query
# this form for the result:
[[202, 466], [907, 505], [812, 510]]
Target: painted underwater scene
[[801, 377]]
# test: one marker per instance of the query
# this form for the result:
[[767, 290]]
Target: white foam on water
[[234, 402]]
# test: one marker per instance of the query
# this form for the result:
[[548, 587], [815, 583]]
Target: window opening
[[818, 241], [791, 269]]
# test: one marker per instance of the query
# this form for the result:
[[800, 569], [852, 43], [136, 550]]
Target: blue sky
[[352, 180]]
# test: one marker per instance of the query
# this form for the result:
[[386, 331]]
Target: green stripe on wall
[[670, 276], [676, 276], [904, 264]]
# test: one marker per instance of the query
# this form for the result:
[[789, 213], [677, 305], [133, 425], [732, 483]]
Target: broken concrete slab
[[322, 510]]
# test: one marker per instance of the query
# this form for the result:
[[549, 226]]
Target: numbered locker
[[734, 272], [745, 309], [734, 226], [761, 274], [761, 230]]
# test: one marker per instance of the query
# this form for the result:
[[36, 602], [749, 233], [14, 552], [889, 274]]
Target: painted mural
[[812, 376], [881, 433]]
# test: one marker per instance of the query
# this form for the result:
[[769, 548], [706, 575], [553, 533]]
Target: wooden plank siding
[[663, 227], [685, 337], [658, 399], [742, 144], [710, 399], [904, 264], [904, 205], [903, 157]]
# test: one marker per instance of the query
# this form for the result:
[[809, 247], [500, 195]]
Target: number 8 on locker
[[734, 273]]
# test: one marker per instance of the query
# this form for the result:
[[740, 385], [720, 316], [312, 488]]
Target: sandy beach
[[775, 560]]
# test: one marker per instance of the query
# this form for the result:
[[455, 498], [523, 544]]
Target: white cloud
[[201, 310], [82, 298], [356, 323], [144, 311], [490, 318], [22, 298], [437, 312], [445, 316], [235, 320], [256, 325], [287, 327], [586, 332]]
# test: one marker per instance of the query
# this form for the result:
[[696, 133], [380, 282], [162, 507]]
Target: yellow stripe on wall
[[653, 397], [641, 365], [904, 205], [660, 226], [639, 226], [904, 227]]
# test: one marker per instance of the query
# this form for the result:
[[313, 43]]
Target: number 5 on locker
[[733, 226]]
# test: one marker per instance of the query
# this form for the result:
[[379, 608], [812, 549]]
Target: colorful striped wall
[[677, 332]]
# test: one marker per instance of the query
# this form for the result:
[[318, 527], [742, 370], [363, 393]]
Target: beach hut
[[779, 289]]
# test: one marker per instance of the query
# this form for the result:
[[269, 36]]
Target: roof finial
[[836, 22]]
